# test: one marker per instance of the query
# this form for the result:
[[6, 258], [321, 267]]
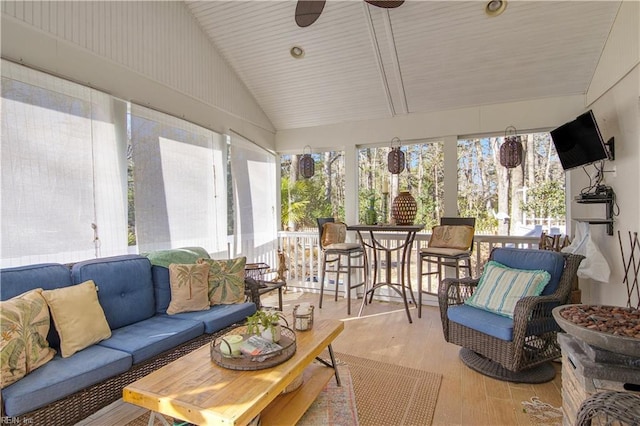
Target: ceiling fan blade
[[385, 4], [308, 11]]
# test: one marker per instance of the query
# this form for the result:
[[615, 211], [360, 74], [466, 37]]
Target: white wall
[[151, 53], [618, 116], [614, 96]]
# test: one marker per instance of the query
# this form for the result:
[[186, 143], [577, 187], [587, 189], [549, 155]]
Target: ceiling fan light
[[495, 7]]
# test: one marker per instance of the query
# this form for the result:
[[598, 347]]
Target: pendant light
[[306, 166], [511, 149], [395, 159]]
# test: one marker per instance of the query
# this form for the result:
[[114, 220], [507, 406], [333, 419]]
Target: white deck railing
[[302, 253]]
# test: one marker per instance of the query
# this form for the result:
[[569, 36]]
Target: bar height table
[[376, 246]]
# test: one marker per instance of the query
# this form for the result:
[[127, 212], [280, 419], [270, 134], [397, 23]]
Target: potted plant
[[265, 323]]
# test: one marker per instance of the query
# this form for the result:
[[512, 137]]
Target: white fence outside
[[303, 255]]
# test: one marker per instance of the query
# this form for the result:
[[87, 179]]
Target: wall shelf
[[608, 198]]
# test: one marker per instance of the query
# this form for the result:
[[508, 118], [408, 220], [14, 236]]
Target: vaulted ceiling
[[362, 62]]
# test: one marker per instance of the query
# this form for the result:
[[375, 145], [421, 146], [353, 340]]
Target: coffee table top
[[195, 389]]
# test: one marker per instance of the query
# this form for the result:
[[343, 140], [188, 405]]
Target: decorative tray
[[223, 355], [612, 328]]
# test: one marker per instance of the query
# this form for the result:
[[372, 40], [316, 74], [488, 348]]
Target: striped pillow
[[501, 287]]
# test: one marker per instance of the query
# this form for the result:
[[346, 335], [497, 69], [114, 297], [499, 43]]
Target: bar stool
[[339, 257], [452, 249]]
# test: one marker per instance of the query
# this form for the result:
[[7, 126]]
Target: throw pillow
[[189, 287], [25, 323], [226, 280], [452, 236], [77, 316], [500, 288], [333, 233]]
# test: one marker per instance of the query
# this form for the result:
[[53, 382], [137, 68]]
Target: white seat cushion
[[441, 251], [343, 246]]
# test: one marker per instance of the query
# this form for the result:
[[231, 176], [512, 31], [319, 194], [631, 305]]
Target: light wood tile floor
[[384, 334]]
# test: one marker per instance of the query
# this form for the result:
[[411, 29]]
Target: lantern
[[511, 150], [306, 166], [395, 159]]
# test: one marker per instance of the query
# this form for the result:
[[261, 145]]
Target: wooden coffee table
[[195, 389]]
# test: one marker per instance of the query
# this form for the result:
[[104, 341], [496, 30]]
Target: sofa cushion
[[23, 348], [160, 261], [484, 321], [220, 316], [545, 260], [21, 279], [501, 287], [189, 287], [226, 280], [18, 280], [125, 287], [78, 316], [61, 377], [152, 336]]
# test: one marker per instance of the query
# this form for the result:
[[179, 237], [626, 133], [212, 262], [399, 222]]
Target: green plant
[[263, 320]]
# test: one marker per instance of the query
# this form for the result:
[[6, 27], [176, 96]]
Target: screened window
[[423, 176], [63, 197], [524, 200], [253, 175], [179, 182], [305, 199]]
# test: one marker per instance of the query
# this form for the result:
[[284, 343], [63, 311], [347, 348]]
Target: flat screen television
[[579, 142]]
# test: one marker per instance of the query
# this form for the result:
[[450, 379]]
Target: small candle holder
[[303, 317]]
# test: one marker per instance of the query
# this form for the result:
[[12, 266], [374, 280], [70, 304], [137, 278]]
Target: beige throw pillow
[[25, 323], [452, 236], [333, 233], [226, 280], [189, 287], [77, 316]]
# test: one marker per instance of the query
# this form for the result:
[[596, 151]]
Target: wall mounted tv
[[579, 142]]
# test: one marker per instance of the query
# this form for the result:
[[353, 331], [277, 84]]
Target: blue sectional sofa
[[134, 296]]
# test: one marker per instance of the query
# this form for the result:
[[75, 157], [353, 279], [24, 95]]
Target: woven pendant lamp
[[511, 149], [306, 166], [395, 159]]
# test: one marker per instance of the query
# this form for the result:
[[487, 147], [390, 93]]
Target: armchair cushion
[[501, 287], [483, 321]]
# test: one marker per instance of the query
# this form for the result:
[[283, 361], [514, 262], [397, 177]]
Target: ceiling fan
[[308, 11]]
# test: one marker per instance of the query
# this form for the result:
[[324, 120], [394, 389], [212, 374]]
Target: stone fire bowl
[[607, 341]]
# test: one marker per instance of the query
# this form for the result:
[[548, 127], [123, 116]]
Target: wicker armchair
[[524, 356]]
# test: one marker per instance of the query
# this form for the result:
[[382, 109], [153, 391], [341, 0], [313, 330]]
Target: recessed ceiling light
[[297, 52], [495, 7]]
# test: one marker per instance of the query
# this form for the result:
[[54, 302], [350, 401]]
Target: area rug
[[388, 394], [541, 413], [335, 406]]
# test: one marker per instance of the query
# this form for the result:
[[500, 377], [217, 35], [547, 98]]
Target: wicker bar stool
[[344, 257]]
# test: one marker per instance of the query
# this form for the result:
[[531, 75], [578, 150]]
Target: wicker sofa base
[[541, 373], [84, 403], [543, 348]]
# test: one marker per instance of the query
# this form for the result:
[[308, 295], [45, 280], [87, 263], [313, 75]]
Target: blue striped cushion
[[501, 287]]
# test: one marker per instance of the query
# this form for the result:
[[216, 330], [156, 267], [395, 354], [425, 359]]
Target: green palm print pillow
[[25, 322], [226, 280]]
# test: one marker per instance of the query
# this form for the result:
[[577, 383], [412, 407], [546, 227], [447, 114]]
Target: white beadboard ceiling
[[363, 62]]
